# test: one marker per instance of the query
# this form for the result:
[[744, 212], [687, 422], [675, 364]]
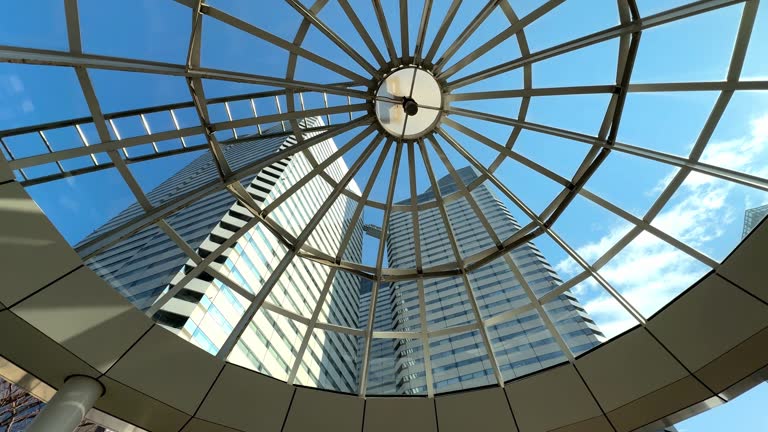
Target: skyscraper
[[148, 263], [145, 265], [521, 345], [752, 218]]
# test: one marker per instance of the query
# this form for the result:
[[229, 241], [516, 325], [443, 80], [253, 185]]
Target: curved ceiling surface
[[566, 172]]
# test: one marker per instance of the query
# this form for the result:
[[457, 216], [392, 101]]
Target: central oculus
[[408, 103]]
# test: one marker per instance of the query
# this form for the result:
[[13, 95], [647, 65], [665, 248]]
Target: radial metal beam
[[101, 128], [197, 259], [73, 26], [311, 326], [363, 32], [381, 18], [699, 86], [364, 197], [311, 175], [200, 268], [9, 54], [597, 277], [422, 33], [521, 93], [507, 257], [450, 14], [100, 123], [610, 88], [404, 37], [335, 38], [342, 248], [724, 173], [514, 28], [195, 34], [195, 86], [465, 191], [543, 315], [750, 180], [283, 44], [379, 264], [561, 133], [457, 256], [667, 16], [424, 326], [465, 34]]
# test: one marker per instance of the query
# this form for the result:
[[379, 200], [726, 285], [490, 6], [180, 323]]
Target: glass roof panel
[[40, 27], [641, 181], [222, 47], [34, 94], [596, 303], [78, 205], [446, 301], [523, 345], [740, 140], [330, 360], [460, 362], [677, 118], [649, 273], [137, 90], [541, 34], [754, 62], [145, 30], [713, 210], [591, 229], [593, 65], [267, 346], [704, 58]]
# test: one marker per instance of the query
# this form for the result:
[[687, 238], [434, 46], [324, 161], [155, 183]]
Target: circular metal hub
[[408, 103]]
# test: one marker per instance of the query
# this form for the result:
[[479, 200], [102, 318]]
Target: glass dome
[[479, 190]]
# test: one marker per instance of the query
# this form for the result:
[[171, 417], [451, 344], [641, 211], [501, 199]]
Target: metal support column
[[68, 407]]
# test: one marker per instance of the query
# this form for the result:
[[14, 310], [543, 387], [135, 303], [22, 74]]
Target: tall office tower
[[752, 218], [521, 345], [148, 263]]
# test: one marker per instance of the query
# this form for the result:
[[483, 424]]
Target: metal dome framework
[[360, 96]]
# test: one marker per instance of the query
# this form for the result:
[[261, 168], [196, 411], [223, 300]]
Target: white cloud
[[69, 204], [650, 272], [11, 84], [12, 93], [27, 106]]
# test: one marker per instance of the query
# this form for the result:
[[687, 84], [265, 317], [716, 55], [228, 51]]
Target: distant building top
[[752, 218]]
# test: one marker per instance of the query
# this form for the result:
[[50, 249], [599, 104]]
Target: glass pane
[[524, 345], [459, 362], [331, 361], [401, 374]]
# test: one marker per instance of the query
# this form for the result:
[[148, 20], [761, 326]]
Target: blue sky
[[705, 213]]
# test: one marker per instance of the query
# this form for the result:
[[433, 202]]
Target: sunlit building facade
[[145, 265], [521, 345]]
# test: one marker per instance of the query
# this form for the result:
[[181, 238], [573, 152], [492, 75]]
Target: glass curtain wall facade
[[145, 265], [460, 361], [753, 217]]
